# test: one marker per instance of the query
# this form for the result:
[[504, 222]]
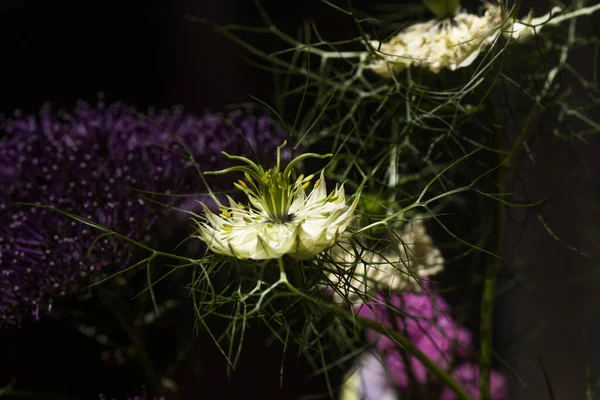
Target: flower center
[[285, 219], [277, 192], [272, 191]]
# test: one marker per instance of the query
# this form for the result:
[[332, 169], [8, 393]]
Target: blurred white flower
[[437, 44], [280, 219], [410, 257], [456, 42]]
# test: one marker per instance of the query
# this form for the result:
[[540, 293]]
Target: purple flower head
[[399, 374], [413, 314], [419, 312], [444, 342], [377, 312], [86, 162], [467, 375], [425, 320]]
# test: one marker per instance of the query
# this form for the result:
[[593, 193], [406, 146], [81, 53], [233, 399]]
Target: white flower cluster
[[450, 43], [280, 218], [312, 224], [411, 257]]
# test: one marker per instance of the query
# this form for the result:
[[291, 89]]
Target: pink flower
[[467, 375]]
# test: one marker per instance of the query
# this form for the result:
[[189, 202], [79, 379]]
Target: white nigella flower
[[455, 42], [448, 43], [411, 256], [280, 218]]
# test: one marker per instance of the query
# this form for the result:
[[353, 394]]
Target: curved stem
[[114, 304], [491, 275], [487, 308], [406, 344], [400, 339]]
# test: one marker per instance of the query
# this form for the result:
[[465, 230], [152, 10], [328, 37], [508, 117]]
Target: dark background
[[146, 53], [140, 52]]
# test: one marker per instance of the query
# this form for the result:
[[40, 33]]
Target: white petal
[[319, 192], [298, 202], [278, 239], [212, 218]]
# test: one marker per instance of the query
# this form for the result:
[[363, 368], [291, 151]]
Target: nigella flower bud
[[86, 162]]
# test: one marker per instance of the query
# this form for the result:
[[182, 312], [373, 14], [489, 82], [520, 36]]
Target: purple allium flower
[[467, 375], [86, 162]]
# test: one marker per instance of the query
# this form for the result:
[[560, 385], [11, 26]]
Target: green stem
[[489, 289], [282, 274], [443, 376], [115, 305], [491, 275], [407, 345], [574, 14], [487, 308], [487, 303]]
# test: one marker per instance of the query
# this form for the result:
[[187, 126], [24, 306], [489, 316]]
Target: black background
[[147, 54]]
